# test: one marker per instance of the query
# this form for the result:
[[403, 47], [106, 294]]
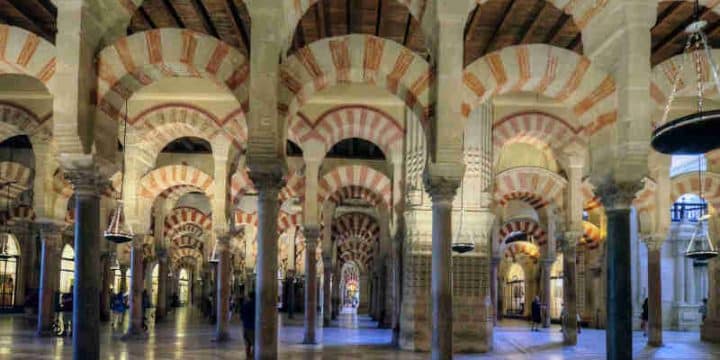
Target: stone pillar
[[266, 326], [86, 301], [494, 295], [442, 192], [546, 289], [312, 236], [161, 307], [654, 245], [51, 235], [327, 292], [617, 198], [107, 280], [135, 330], [223, 287], [569, 287]]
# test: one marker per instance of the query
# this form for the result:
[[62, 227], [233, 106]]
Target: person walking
[[644, 317], [247, 315], [536, 315]]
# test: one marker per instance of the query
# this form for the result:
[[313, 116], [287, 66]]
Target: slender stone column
[[494, 264], [223, 288], [49, 276], [654, 245], [107, 279], [617, 198], [266, 325], [569, 287], [312, 237], [161, 310], [86, 301], [442, 192], [327, 292], [135, 329], [546, 287]]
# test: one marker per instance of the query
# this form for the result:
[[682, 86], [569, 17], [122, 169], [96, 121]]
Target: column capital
[[617, 194]]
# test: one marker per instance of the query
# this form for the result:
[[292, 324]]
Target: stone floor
[[187, 336]]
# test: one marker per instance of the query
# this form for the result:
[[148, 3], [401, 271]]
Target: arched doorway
[[514, 294], [184, 287], [8, 271], [556, 288]]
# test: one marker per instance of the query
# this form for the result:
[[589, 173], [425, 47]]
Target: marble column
[[135, 329], [617, 198], [51, 237], [223, 288], [494, 264], [266, 324], [86, 302], [312, 236], [107, 280], [570, 287], [654, 280], [442, 192], [161, 308], [546, 289], [327, 292]]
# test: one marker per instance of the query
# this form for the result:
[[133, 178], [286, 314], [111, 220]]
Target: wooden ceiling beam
[[31, 20], [506, 14], [378, 16], [173, 13], [532, 23], [205, 17], [679, 31], [238, 25]]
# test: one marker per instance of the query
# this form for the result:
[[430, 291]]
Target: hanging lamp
[[459, 246], [701, 246], [695, 133], [119, 231]]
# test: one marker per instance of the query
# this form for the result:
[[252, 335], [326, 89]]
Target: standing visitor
[[535, 312]]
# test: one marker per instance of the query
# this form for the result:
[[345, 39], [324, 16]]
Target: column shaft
[[619, 303], [312, 235], [136, 289], [223, 288], [654, 297], [49, 276]]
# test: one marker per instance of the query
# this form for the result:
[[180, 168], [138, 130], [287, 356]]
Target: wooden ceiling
[[668, 35], [37, 16], [388, 19], [227, 20], [498, 24]]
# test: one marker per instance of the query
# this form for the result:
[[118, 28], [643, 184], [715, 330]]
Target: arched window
[[67, 270], [8, 273]]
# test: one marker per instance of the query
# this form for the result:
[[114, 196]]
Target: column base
[[710, 331]]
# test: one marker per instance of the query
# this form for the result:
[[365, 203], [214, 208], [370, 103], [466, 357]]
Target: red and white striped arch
[[15, 177], [349, 121], [355, 226], [24, 53], [17, 120], [518, 250], [690, 184], [355, 175], [356, 59], [181, 216], [143, 58], [550, 71], [534, 185], [161, 179], [527, 226], [663, 76], [164, 123], [536, 128]]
